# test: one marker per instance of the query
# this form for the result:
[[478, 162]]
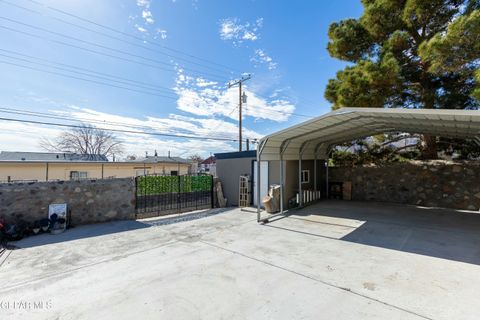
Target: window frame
[[305, 174], [78, 175]]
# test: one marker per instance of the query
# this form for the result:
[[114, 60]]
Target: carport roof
[[318, 135]]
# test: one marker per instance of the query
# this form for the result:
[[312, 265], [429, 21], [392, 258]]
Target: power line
[[120, 87], [110, 36], [228, 115], [117, 31], [83, 69], [266, 110], [97, 45], [101, 53], [270, 111], [77, 119], [103, 76], [119, 130], [142, 84], [94, 81], [86, 49], [86, 80], [107, 77], [130, 35]]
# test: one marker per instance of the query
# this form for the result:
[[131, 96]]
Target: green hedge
[[150, 185]]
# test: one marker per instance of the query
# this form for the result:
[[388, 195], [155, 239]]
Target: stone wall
[[90, 201], [431, 184]]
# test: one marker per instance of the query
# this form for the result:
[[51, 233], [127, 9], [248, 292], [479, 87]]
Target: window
[[305, 176], [78, 175], [174, 173], [141, 172]]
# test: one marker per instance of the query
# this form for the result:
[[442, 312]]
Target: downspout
[[46, 171]]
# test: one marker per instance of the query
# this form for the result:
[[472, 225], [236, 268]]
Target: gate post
[[136, 196], [179, 205], [212, 189]]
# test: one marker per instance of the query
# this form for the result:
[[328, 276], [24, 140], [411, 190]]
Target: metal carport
[[313, 139]]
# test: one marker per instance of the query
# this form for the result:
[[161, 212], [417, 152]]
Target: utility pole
[[241, 99]]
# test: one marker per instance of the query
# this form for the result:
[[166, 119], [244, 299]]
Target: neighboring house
[[165, 165], [43, 166], [209, 166]]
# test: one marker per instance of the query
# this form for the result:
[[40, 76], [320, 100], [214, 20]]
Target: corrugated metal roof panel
[[350, 123]]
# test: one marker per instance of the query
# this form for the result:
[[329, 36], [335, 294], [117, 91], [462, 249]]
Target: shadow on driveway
[[101, 229], [441, 233], [80, 232]]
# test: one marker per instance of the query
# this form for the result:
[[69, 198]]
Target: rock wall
[[90, 201], [431, 184]]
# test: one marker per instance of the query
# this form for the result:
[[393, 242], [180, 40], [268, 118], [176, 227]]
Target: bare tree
[[195, 158], [131, 157], [84, 140]]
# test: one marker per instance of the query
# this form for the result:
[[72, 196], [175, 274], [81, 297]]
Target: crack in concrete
[[57, 274], [316, 280]]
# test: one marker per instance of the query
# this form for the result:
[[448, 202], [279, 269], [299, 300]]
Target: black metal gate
[[162, 195]]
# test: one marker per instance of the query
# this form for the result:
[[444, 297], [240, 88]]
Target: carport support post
[[281, 183], [258, 185], [326, 177], [315, 172], [300, 192]]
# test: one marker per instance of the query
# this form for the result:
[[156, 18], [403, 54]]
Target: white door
[[263, 180]]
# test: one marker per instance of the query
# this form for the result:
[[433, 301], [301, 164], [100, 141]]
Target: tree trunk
[[429, 143], [429, 150]]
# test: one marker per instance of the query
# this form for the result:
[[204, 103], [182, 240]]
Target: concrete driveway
[[333, 260]]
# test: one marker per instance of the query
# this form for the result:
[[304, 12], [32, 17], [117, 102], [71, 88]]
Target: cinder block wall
[[432, 184], [90, 201]]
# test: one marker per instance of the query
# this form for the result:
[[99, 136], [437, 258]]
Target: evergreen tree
[[409, 54]]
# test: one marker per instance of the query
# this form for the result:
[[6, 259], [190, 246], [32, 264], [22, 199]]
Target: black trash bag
[[36, 227], [2, 231], [44, 224], [13, 232], [53, 221]]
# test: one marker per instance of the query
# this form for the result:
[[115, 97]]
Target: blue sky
[[190, 49]]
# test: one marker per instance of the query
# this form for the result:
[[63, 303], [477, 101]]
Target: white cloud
[[232, 30], [147, 15], [25, 137], [17, 136], [161, 33], [210, 100], [260, 57], [212, 112], [201, 82], [140, 28]]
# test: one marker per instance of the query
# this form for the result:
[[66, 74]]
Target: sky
[[163, 67]]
